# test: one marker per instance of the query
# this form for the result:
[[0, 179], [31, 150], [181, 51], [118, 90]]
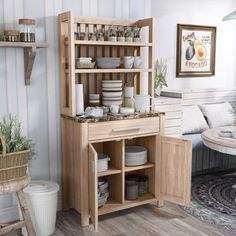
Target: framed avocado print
[[195, 54]]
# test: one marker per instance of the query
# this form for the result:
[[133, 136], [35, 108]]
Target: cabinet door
[[93, 186], [175, 170]]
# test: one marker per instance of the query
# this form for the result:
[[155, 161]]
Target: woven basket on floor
[[12, 165]]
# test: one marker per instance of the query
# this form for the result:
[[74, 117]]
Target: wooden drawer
[[122, 128]]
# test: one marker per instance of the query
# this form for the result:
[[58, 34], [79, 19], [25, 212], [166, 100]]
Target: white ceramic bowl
[[111, 94], [112, 89], [112, 81], [109, 103], [112, 99], [126, 110], [112, 85]]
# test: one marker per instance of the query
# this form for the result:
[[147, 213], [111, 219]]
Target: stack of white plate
[[103, 191], [111, 92], [135, 155]]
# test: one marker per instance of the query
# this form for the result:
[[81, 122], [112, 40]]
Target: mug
[[114, 109], [138, 62], [128, 62]]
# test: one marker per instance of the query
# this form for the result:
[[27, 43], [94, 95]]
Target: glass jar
[[85, 35], [142, 185], [100, 36], [129, 34], [11, 35], [136, 30], [27, 30], [120, 33], [77, 33], [112, 33], [92, 36]]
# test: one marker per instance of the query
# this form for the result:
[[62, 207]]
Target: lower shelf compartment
[[112, 205]]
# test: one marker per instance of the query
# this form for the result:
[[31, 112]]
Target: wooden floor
[[140, 221]]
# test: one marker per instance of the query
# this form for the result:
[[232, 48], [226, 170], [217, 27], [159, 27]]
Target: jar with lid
[[136, 30], [128, 34], [142, 185], [120, 33], [92, 36], [85, 35], [11, 35], [100, 36], [112, 33], [131, 187], [27, 30]]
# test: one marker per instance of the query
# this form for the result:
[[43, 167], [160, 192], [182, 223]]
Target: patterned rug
[[213, 200]]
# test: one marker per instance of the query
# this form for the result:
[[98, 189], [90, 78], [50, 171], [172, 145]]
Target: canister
[[131, 187], [27, 30]]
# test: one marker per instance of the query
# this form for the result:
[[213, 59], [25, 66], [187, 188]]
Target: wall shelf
[[29, 55]]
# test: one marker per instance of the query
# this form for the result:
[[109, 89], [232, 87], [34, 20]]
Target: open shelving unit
[[71, 48], [169, 159], [29, 55]]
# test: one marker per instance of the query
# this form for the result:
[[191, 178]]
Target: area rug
[[213, 200]]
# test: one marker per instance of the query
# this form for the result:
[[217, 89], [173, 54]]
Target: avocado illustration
[[200, 52], [190, 53]]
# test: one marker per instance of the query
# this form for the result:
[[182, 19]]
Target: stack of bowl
[[103, 191], [111, 92], [108, 62], [94, 99]]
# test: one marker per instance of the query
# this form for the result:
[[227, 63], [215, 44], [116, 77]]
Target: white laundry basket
[[42, 200]]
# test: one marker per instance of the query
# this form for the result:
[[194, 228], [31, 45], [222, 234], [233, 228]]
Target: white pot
[[142, 103], [102, 162]]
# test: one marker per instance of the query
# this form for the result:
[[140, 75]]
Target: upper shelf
[[29, 55], [119, 70], [109, 43]]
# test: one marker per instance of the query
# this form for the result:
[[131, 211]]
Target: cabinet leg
[[84, 220], [160, 203]]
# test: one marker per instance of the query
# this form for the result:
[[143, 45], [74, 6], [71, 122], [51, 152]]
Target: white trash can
[[42, 201]]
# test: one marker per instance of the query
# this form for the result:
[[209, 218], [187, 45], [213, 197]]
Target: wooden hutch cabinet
[[169, 159]]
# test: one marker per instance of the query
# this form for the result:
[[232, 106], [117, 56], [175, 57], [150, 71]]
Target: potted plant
[[15, 150], [160, 76]]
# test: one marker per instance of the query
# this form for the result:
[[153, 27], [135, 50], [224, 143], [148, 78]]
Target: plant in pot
[[160, 76], [15, 150]]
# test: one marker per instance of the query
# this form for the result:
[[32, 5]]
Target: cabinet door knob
[[126, 129]]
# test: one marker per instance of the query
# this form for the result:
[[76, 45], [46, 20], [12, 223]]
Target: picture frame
[[196, 49]]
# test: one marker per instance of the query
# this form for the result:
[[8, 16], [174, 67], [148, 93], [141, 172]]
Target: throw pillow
[[193, 120], [218, 115]]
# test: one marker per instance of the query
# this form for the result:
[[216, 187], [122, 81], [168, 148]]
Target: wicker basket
[[12, 165]]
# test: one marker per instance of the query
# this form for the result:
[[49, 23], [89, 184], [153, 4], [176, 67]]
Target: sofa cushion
[[196, 141], [193, 120], [217, 115]]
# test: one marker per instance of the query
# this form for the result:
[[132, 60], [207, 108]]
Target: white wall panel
[[106, 8]]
